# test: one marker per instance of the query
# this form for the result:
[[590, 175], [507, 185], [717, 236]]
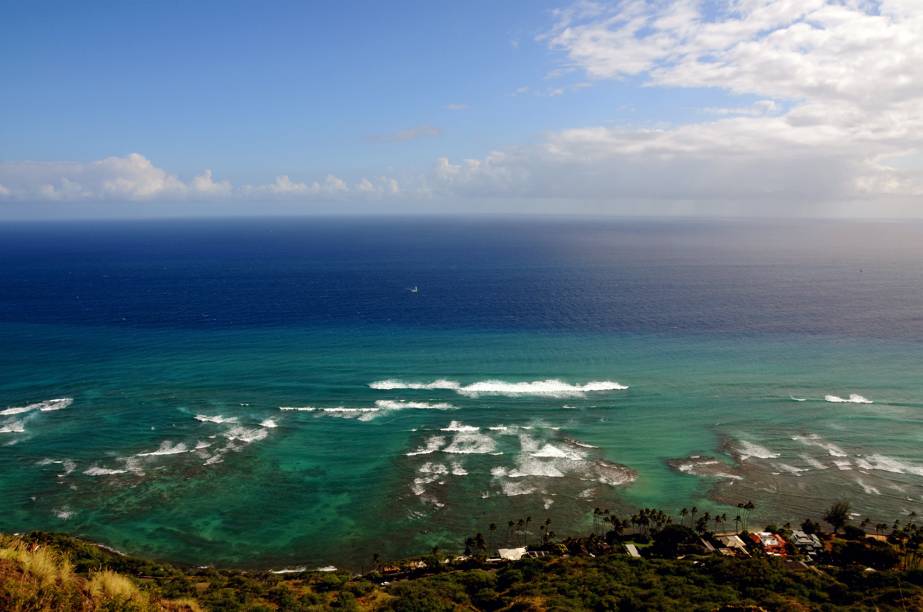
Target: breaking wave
[[13, 427], [370, 412], [432, 445], [99, 471], [217, 419], [746, 450], [551, 387], [45, 406], [814, 440], [888, 464], [854, 398], [392, 384], [459, 426], [166, 448], [471, 443]]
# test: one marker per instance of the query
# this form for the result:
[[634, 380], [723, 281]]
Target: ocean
[[280, 393]]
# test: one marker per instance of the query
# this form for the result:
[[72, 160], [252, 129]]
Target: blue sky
[[530, 91]]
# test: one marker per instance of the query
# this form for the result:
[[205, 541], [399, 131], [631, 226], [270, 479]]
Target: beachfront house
[[731, 545], [771, 543], [512, 554], [806, 543]]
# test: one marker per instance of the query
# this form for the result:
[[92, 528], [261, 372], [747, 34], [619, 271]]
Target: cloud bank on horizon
[[833, 117]]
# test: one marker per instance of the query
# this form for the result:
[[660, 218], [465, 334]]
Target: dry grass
[[183, 604], [110, 586], [45, 565]]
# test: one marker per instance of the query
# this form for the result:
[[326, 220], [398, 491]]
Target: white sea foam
[[430, 467], [68, 464], [471, 443], [547, 388], [217, 419], [100, 471], [797, 399], [55, 404], [15, 410], [345, 410], [458, 469], [268, 423], [842, 464], [13, 427], [428, 473], [297, 408], [290, 570], [750, 449], [392, 384], [791, 469], [512, 488], [869, 489], [246, 435], [549, 451], [370, 412], [889, 464], [854, 398], [459, 426], [63, 513], [166, 448], [432, 445], [45, 406], [815, 440], [814, 463], [402, 405]]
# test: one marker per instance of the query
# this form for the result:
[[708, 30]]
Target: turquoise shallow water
[[728, 368], [320, 489]]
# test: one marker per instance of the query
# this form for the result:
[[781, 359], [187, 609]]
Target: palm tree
[[492, 527], [683, 514], [509, 530], [837, 515], [525, 534], [480, 544], [737, 521]]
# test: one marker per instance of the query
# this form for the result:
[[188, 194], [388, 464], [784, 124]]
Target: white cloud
[[830, 113], [456, 107], [135, 178], [841, 98]]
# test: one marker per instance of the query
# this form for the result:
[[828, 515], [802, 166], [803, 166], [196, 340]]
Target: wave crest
[[854, 398], [551, 387]]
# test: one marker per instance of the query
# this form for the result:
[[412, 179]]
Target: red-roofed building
[[771, 543]]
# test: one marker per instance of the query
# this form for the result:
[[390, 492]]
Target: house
[[512, 554], [807, 543], [632, 551], [731, 545], [771, 543]]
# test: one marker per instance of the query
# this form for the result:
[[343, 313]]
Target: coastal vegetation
[[680, 565]]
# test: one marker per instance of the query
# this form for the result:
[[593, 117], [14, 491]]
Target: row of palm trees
[[645, 521]]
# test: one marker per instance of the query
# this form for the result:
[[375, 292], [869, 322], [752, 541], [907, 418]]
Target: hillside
[[52, 572]]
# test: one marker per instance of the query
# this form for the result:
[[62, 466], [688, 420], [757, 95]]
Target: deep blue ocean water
[[735, 340]]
